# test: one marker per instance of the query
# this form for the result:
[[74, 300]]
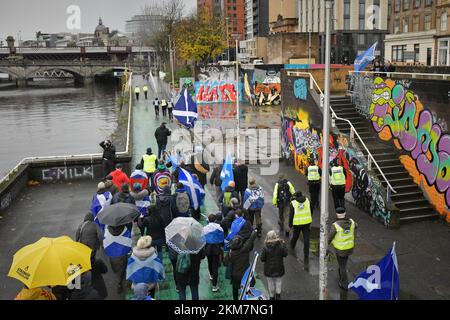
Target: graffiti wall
[[398, 113], [262, 85], [215, 84], [302, 142], [188, 83]]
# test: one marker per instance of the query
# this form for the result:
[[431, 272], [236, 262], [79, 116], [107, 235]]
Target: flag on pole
[[365, 58], [247, 291], [185, 110], [226, 175], [379, 281], [194, 188]]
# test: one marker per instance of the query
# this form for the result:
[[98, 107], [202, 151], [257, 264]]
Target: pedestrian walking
[[300, 219], [342, 238], [161, 134], [272, 255], [314, 176], [109, 157], [156, 106], [141, 198], [99, 268], [164, 105], [240, 173], [254, 203], [145, 89], [216, 181], [161, 177], [109, 185], [337, 181], [137, 91], [199, 166], [182, 202], [170, 109], [225, 198], [239, 260], [153, 225], [214, 237], [86, 291], [188, 274], [119, 177], [124, 195], [226, 221], [141, 292], [117, 245], [149, 164], [164, 206], [282, 194], [139, 176], [89, 234], [100, 200]]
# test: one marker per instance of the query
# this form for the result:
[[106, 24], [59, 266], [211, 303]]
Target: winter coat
[[139, 195], [108, 153], [164, 206], [154, 226], [111, 187], [201, 169], [175, 211], [215, 177], [234, 194], [254, 191], [124, 197], [89, 233], [192, 277], [87, 291], [213, 249], [241, 177], [239, 257], [98, 283], [119, 178], [161, 135], [272, 255]]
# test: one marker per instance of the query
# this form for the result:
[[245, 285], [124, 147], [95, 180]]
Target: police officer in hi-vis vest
[[314, 177], [137, 91], [149, 162], [342, 237], [300, 219], [337, 181], [145, 89]]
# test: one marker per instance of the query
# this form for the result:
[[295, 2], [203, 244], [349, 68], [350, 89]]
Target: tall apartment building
[[357, 24], [212, 6], [256, 29], [413, 32]]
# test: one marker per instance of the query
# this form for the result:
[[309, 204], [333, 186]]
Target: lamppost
[[228, 42], [323, 272], [171, 62], [238, 114]]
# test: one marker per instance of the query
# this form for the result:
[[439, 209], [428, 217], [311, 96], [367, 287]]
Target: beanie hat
[[144, 242], [340, 213]]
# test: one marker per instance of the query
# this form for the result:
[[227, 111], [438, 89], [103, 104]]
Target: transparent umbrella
[[184, 235]]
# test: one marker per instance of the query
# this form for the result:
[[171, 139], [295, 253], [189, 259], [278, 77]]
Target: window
[[405, 24], [396, 25], [398, 53], [427, 23], [346, 8], [397, 6], [405, 5], [416, 24], [362, 24], [416, 52], [428, 3], [429, 51], [444, 22], [443, 52], [417, 4], [362, 9], [346, 23], [361, 39]]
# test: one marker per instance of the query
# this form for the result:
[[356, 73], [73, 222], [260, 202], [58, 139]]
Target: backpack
[[227, 199], [182, 202], [284, 194], [183, 263]]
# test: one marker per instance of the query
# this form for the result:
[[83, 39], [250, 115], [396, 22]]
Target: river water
[[54, 118]]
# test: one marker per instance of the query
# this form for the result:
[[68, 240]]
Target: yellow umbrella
[[50, 262]]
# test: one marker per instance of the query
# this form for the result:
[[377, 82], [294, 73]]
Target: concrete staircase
[[409, 199]]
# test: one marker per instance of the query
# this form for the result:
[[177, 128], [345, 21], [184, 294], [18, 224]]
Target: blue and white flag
[[193, 187], [185, 110], [213, 233], [236, 226], [365, 58], [226, 175], [143, 205], [99, 202], [247, 291], [379, 281], [150, 270]]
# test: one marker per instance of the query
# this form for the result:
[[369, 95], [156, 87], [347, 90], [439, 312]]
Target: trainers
[[210, 278], [215, 289]]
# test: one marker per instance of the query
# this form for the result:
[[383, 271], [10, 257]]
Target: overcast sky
[[49, 16]]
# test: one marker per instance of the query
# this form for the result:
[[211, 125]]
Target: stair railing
[[370, 159]]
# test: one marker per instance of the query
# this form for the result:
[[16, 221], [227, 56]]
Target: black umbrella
[[118, 214]]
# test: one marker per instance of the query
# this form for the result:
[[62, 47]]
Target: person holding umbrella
[[117, 238]]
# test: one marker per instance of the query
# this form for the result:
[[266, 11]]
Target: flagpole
[[393, 267]]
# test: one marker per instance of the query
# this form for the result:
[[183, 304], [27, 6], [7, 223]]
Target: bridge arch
[[103, 70], [76, 73], [11, 73]]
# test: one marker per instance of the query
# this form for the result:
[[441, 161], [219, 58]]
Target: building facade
[[413, 32], [256, 16], [443, 32], [357, 25]]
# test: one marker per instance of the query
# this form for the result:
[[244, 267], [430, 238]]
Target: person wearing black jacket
[[161, 135], [215, 180], [89, 234], [240, 173], [99, 268], [153, 225], [86, 291], [213, 252], [190, 278], [123, 196], [109, 157], [200, 167], [164, 205]]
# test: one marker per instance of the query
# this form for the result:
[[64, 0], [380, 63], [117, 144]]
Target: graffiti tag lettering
[[64, 173]]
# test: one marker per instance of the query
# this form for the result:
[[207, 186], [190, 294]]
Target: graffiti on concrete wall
[[263, 86], [188, 83], [216, 83], [398, 114], [67, 173], [303, 144], [5, 201], [300, 89]]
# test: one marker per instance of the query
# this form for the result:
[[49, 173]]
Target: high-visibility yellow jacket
[[302, 213]]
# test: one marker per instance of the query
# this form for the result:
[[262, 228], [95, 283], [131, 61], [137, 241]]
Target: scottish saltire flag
[[99, 202], [248, 292], [193, 187], [185, 110], [143, 205], [236, 226], [138, 176], [213, 233], [150, 270], [365, 58], [379, 281], [226, 175]]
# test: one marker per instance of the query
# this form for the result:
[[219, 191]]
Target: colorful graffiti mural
[[215, 84], [397, 113], [263, 86], [188, 83], [303, 144]]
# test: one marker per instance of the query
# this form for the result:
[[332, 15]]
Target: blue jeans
[[194, 292], [158, 244], [161, 149]]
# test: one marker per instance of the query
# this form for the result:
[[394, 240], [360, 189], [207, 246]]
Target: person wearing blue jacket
[[253, 203]]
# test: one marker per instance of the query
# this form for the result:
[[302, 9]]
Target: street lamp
[[228, 42], [238, 115], [323, 272]]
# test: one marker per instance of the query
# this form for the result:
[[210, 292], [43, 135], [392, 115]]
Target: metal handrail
[[70, 157], [370, 158], [412, 74]]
